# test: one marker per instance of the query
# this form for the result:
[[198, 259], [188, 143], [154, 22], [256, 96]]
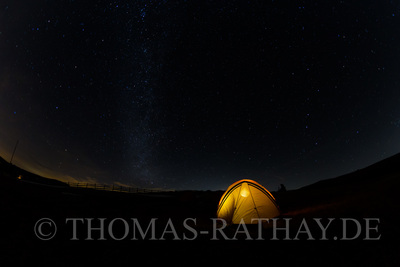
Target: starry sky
[[199, 94]]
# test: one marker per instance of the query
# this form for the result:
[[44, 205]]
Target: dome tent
[[247, 200]]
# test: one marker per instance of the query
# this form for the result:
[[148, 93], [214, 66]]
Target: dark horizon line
[[177, 190]]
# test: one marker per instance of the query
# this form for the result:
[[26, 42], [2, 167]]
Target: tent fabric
[[247, 200]]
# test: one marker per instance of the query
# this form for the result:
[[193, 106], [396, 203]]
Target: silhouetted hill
[[371, 190], [382, 170], [12, 172]]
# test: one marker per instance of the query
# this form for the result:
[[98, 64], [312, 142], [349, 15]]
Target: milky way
[[196, 95]]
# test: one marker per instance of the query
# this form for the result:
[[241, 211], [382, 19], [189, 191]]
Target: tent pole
[[253, 201], [15, 148], [236, 204]]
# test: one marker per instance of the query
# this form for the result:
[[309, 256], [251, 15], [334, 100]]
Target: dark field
[[370, 193]]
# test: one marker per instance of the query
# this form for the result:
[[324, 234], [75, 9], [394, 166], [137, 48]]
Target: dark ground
[[368, 193]]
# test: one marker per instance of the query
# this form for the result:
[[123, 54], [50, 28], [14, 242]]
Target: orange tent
[[247, 200]]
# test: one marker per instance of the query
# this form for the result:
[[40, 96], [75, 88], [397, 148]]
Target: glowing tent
[[246, 199]]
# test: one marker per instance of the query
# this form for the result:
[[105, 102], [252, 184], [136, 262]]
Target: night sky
[[199, 94]]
